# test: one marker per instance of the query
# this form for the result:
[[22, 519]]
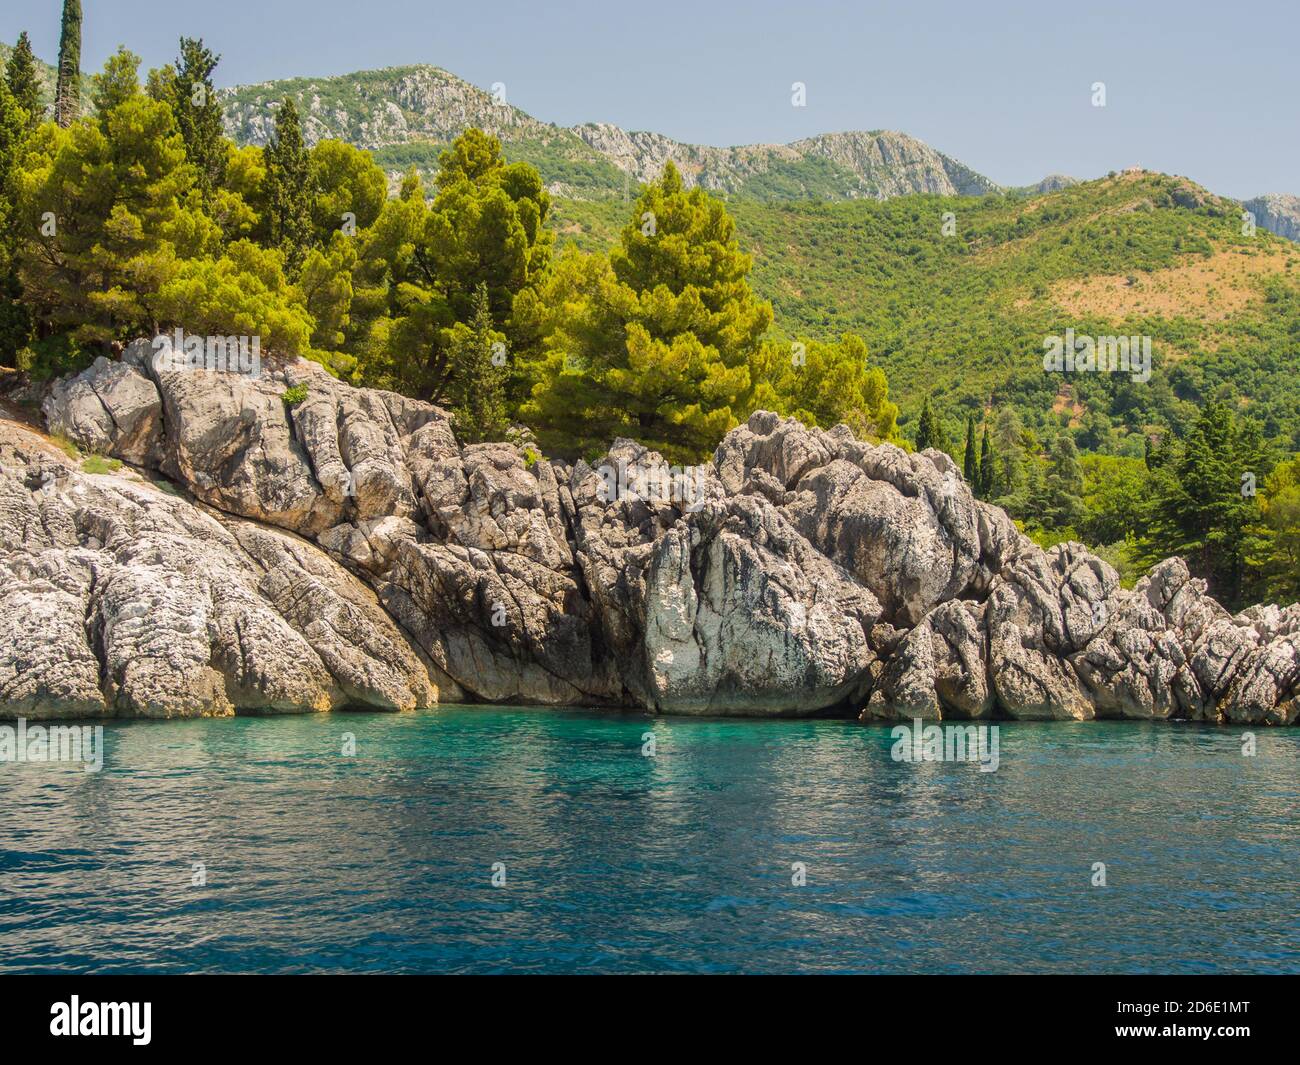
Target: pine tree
[[988, 466], [1012, 458], [288, 187], [827, 385], [1204, 501], [117, 83], [198, 115], [663, 338], [487, 226], [120, 188], [971, 462], [67, 97], [24, 85]]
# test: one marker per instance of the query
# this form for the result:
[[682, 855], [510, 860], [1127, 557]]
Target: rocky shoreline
[[347, 551]]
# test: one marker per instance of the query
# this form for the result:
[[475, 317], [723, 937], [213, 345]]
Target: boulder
[[108, 408], [742, 615]]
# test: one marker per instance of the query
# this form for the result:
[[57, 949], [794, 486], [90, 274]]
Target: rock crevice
[[349, 551]]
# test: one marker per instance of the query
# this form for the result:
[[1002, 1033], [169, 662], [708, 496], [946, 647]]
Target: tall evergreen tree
[[13, 315], [925, 430], [289, 193], [971, 461], [477, 375], [421, 264], [1063, 488], [487, 226], [67, 96], [120, 190], [1008, 435], [117, 83], [198, 115], [24, 85], [988, 466], [1204, 499]]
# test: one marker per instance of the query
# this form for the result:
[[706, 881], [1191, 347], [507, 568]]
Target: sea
[[491, 839]]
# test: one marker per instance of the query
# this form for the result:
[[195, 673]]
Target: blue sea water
[[383, 860]]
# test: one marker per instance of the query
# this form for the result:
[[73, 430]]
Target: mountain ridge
[[415, 110], [406, 114]]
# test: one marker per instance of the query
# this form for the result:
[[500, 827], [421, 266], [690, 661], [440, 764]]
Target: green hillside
[[963, 318]]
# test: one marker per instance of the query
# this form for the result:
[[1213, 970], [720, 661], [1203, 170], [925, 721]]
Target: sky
[[1206, 91]]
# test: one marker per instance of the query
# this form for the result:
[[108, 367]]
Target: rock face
[[879, 164], [1277, 213], [120, 598], [348, 551]]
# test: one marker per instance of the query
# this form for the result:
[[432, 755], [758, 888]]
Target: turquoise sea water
[[681, 862]]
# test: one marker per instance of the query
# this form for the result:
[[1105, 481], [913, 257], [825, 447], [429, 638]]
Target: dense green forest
[[670, 315]]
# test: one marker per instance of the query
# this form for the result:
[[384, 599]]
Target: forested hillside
[[962, 318]]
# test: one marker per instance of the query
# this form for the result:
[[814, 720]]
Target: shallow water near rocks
[[681, 862]]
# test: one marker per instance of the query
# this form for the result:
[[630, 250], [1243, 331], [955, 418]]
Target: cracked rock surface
[[348, 551]]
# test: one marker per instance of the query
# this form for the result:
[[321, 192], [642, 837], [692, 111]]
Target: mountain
[[1277, 213], [964, 318], [1051, 183], [406, 115], [874, 165]]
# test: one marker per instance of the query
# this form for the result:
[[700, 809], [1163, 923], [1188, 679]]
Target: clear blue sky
[[1207, 90]]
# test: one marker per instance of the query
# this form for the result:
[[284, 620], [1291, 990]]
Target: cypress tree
[[14, 323], [24, 85], [988, 466], [926, 431], [971, 461], [476, 384], [67, 98], [288, 187]]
